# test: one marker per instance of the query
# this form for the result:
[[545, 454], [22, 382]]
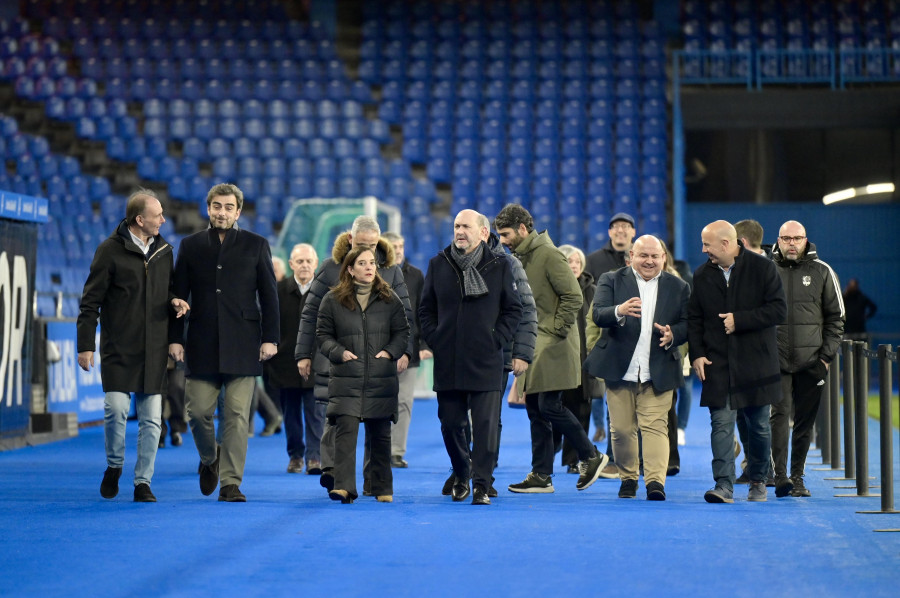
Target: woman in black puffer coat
[[362, 329]]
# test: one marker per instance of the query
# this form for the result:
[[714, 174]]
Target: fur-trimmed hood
[[384, 251]]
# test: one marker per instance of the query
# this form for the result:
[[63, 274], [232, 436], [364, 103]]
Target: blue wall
[[857, 241]]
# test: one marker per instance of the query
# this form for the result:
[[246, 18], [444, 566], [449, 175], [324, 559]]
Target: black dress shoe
[[673, 470], [231, 493], [460, 490], [492, 492], [480, 497], [447, 489], [142, 493], [109, 487], [209, 477], [398, 462], [326, 480], [176, 439]]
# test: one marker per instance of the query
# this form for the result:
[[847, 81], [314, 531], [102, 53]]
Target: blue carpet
[[60, 538]]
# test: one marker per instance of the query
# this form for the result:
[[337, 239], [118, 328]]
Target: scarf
[[474, 283]]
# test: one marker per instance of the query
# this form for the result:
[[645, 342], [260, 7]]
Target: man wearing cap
[[612, 255]]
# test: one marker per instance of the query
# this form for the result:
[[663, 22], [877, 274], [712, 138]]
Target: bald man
[[469, 312], [737, 302], [643, 310]]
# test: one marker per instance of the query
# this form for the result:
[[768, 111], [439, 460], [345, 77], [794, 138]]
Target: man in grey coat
[[129, 290]]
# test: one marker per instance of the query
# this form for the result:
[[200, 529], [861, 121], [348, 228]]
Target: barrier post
[[886, 442], [823, 432], [834, 382], [832, 399], [861, 394], [849, 460]]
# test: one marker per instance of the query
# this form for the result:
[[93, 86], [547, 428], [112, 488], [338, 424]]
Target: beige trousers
[[635, 406]]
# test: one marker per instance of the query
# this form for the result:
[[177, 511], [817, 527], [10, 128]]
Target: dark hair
[[226, 189], [136, 204], [512, 215], [345, 290]]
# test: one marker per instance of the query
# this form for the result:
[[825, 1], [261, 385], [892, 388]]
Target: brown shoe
[[314, 467], [384, 498], [295, 465]]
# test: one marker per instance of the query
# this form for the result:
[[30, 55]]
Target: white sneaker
[[680, 436]]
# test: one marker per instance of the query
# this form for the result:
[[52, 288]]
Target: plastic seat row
[[216, 90], [203, 49], [281, 69], [273, 109]]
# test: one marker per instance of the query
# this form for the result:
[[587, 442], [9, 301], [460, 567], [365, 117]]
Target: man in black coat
[[470, 311], [129, 290], [298, 402], [420, 351], [643, 310], [737, 302], [227, 273]]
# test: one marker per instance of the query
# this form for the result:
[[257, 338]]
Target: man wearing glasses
[[612, 255], [807, 342]]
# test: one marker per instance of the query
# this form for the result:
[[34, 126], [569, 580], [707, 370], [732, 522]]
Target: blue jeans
[[758, 448], [115, 416], [299, 405]]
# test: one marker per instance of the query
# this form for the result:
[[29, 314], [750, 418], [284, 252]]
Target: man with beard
[[227, 273], [807, 342], [612, 255], [556, 365]]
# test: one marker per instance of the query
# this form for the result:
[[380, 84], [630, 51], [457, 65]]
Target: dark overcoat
[[365, 387], [282, 369], [415, 280], [467, 334], [234, 302], [613, 352], [744, 363], [130, 294]]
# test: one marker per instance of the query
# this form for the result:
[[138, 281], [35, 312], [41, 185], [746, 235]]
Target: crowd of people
[[322, 349]]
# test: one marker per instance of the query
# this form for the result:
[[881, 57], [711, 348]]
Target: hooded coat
[[327, 277], [815, 317], [365, 387], [745, 363], [130, 294], [558, 298]]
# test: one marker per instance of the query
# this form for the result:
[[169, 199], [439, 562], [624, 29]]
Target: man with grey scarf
[[469, 312]]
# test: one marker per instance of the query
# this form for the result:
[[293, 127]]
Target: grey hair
[[392, 237], [363, 224], [302, 246], [568, 250]]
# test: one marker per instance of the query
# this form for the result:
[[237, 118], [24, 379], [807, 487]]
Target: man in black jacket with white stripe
[[807, 342]]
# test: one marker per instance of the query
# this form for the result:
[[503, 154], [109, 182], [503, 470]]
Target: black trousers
[[546, 412], [453, 411], [173, 406], [674, 457], [574, 400], [800, 390], [346, 435]]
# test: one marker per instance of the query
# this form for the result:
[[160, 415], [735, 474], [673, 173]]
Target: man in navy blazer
[[638, 357], [234, 327]]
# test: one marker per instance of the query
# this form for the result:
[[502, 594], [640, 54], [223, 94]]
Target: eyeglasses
[[789, 240], [620, 226]]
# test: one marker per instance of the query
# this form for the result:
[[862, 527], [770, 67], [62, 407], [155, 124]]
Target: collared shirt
[[727, 272], [639, 368], [140, 244], [304, 288]]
